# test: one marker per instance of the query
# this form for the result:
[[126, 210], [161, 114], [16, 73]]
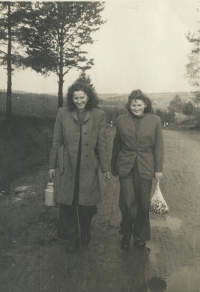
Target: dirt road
[[32, 259]]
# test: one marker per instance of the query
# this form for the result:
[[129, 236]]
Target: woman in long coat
[[79, 148], [137, 158]]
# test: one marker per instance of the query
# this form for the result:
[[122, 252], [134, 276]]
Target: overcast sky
[[142, 45]]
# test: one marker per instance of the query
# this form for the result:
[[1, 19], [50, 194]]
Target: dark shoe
[[72, 245], [85, 236], [140, 243], [125, 242]]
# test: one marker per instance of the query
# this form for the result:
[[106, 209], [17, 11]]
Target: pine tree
[[11, 53], [54, 35], [85, 79]]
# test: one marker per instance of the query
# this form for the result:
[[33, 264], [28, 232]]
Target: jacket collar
[[136, 117], [87, 116], [74, 115]]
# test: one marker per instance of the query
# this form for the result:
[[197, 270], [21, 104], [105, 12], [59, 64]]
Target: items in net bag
[[157, 202]]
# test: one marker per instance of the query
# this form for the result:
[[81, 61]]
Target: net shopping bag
[[157, 202]]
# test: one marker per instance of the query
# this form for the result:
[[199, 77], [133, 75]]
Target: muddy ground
[[32, 259]]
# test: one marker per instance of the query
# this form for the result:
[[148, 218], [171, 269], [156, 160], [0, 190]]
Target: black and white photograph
[[100, 146]]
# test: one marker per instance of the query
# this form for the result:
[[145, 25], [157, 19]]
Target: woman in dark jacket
[[79, 148], [137, 158]]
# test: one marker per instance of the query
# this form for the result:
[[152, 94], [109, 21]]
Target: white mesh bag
[[157, 202]]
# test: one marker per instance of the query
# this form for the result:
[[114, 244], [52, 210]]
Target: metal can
[[49, 195]]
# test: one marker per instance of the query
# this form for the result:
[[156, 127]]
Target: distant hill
[[45, 105], [159, 100], [31, 104], [25, 92]]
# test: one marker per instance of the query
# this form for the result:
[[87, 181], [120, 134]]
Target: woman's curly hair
[[138, 94], [79, 86]]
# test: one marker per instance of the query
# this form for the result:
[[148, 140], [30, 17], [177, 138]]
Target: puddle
[[16, 200], [185, 279], [172, 223], [156, 284], [158, 223]]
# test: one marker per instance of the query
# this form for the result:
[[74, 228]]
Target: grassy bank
[[27, 147]]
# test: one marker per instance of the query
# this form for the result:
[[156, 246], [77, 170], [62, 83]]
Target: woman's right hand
[[52, 172]]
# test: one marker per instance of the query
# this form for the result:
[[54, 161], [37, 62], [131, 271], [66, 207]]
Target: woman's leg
[[127, 203], [141, 230], [85, 214], [67, 222]]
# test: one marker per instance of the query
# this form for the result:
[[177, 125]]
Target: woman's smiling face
[[80, 99], [137, 107]]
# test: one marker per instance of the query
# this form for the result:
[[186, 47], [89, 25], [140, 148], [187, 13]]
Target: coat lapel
[[87, 116], [74, 115], [131, 122]]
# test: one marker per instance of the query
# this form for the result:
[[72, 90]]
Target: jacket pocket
[[61, 159]]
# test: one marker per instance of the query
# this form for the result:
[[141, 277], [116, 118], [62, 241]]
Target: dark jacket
[[147, 147], [64, 151]]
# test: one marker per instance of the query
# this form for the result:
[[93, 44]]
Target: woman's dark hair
[[78, 86], [138, 94]]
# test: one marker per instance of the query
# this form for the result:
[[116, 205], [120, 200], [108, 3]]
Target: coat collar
[[87, 116], [136, 117], [74, 115]]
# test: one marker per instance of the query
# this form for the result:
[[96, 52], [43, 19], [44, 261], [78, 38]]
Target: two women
[[137, 158], [79, 148]]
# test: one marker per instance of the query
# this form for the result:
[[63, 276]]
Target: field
[[44, 105]]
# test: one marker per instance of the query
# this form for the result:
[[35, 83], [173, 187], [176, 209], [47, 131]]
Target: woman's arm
[[102, 145], [52, 173], [158, 149], [57, 140], [117, 145]]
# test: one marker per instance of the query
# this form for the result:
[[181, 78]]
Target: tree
[[54, 34], [176, 104], [188, 108], [166, 116], [85, 79], [193, 67], [10, 50]]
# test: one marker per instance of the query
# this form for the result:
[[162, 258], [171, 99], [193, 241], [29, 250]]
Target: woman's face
[[137, 107], [80, 99]]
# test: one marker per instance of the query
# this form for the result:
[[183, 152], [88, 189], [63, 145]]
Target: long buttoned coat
[[64, 152], [146, 146]]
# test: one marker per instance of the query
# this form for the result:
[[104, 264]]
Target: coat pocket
[[61, 159]]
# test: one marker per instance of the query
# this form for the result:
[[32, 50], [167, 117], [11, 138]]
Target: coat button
[[86, 155], [85, 133], [86, 144]]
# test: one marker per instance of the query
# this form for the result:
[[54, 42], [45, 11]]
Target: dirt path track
[[32, 259]]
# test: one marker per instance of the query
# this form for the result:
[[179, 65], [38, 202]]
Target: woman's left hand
[[158, 175], [106, 176]]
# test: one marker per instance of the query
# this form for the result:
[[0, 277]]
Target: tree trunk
[[61, 81], [9, 73], [60, 90]]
